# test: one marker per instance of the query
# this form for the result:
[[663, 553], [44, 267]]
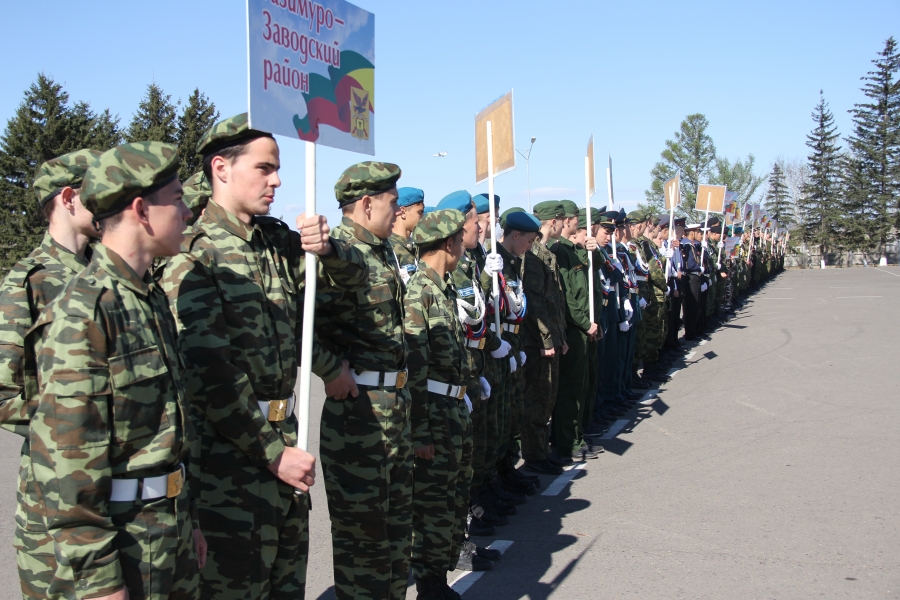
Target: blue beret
[[409, 196], [481, 203], [428, 210], [459, 200], [522, 221]]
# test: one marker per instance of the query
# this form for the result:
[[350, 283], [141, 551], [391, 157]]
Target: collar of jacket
[[65, 256], [426, 269], [361, 233], [118, 269], [228, 221]]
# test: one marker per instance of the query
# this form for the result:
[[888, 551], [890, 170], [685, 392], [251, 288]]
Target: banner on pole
[[710, 198], [311, 72], [592, 188], [672, 189], [731, 242], [500, 114]]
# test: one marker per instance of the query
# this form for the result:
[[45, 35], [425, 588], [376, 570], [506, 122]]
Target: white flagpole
[[309, 310], [587, 210], [673, 196], [493, 215], [705, 223]]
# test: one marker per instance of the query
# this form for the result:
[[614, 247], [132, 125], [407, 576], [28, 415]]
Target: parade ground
[[767, 467]]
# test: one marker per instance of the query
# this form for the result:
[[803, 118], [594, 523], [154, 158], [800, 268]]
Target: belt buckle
[[516, 328], [402, 378], [481, 343], [277, 410], [175, 483], [462, 393]]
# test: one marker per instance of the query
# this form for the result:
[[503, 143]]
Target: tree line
[[844, 197], [48, 124]]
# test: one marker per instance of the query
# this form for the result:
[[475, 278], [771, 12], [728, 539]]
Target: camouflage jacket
[[112, 406], [405, 250], [657, 277], [29, 286], [544, 325], [237, 293], [437, 347], [364, 326]]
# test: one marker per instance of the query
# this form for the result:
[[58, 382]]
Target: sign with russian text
[[311, 71], [503, 134]]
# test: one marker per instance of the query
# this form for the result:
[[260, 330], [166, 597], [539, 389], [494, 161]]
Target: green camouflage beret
[[506, 212], [636, 216], [122, 174], [550, 209], [197, 193], [228, 131], [653, 219], [570, 208], [438, 225], [365, 179], [63, 171]]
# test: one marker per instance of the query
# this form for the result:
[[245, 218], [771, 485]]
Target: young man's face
[[604, 235], [471, 230], [167, 217], [80, 218], [679, 231], [411, 215], [579, 236], [484, 224], [253, 176], [556, 227], [383, 211], [521, 241], [456, 250]]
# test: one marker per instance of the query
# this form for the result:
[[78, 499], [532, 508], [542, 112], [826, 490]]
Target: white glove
[[485, 389], [629, 310], [703, 244], [624, 326], [502, 351], [720, 245], [670, 252], [643, 303], [521, 359], [493, 264], [468, 402], [719, 266], [512, 364], [668, 291], [704, 287]]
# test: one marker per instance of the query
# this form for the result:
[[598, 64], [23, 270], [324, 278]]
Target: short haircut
[[229, 152], [111, 223]]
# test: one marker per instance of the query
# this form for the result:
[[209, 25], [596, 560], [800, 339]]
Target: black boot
[[507, 496], [430, 587], [470, 561]]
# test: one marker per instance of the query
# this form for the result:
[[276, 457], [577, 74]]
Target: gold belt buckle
[[481, 344], [277, 410], [516, 328], [462, 392], [402, 378], [175, 483]]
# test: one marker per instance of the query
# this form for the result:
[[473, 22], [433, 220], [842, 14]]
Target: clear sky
[[628, 72]]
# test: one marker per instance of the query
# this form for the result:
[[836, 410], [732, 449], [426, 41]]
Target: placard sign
[[311, 71], [672, 189], [710, 198], [503, 131]]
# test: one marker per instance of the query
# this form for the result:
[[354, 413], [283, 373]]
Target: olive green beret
[[197, 193], [228, 131], [570, 208], [63, 171], [636, 216], [582, 218], [122, 174], [549, 209], [438, 225], [365, 179]]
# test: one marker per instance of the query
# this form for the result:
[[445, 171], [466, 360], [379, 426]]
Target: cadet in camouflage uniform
[[656, 312], [365, 434], [29, 286], [196, 195], [412, 206], [544, 336], [111, 435], [237, 291]]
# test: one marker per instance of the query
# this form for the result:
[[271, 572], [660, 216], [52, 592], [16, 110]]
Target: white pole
[[493, 215], [587, 210], [705, 227], [309, 310], [673, 196], [611, 203]]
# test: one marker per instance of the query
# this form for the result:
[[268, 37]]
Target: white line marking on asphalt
[[756, 408], [462, 583], [848, 287], [689, 355], [614, 429], [888, 272], [777, 298], [701, 342], [560, 482], [781, 288], [672, 372], [849, 297]]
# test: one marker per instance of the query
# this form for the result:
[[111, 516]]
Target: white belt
[[640, 278], [479, 344], [277, 410], [445, 389], [396, 379], [169, 486], [511, 327]]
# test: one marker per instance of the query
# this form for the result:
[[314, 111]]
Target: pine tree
[[860, 216], [738, 177], [197, 117], [874, 170], [819, 206], [693, 153], [44, 126], [778, 198], [156, 119]]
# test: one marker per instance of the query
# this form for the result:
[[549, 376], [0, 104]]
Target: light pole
[[528, 168]]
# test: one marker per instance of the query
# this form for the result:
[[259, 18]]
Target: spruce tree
[[156, 119], [778, 198], [873, 174], [198, 116], [43, 127], [693, 153], [819, 206]]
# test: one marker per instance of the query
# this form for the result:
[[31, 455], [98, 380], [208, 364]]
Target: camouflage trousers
[[479, 416], [651, 332], [441, 487], [367, 462], [156, 554], [497, 373], [541, 384], [573, 373]]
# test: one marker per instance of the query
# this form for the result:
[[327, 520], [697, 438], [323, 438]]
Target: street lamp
[[528, 168]]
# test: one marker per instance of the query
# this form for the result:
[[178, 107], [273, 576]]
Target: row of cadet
[[151, 371]]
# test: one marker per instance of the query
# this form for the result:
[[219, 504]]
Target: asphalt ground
[[767, 467]]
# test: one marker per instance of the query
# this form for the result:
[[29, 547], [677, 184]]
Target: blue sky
[[628, 72]]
